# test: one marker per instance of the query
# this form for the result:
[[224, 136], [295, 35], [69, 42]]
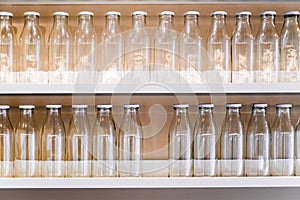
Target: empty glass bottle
[[85, 43], [289, 47], [7, 150], [79, 143], [53, 143], [231, 163], [32, 50], [242, 49], [27, 144], [180, 143], [165, 49], [130, 143], [205, 134], [112, 49], [8, 58], [218, 47], [138, 49], [104, 143], [190, 49], [257, 143], [282, 146], [267, 49], [59, 50]]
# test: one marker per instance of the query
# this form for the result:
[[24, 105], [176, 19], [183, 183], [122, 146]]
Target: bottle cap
[[60, 14], [243, 13], [139, 13], [85, 13], [131, 105], [4, 107], [6, 14], [286, 105], [192, 13], [269, 12], [112, 13], [31, 13], [80, 106], [53, 106], [259, 105], [233, 105], [104, 106], [166, 13], [219, 12], [181, 105], [291, 13], [206, 105], [26, 107]]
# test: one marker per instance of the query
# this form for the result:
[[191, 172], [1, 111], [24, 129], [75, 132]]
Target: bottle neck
[[3, 113], [104, 112], [291, 21], [53, 111], [219, 21], [243, 24], [191, 22], [283, 113], [85, 21], [138, 21], [60, 21], [233, 111], [112, 24], [259, 112], [206, 111], [166, 22], [26, 116], [181, 112], [31, 21], [5, 21], [79, 112]]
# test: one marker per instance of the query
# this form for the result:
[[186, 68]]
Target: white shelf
[[151, 88], [216, 182]]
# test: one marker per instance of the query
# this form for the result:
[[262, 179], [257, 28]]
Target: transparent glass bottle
[[242, 49], [85, 43], [165, 50], [32, 50], [59, 50], [231, 163], [112, 49], [257, 143], [137, 49], [297, 149], [180, 143], [27, 144], [8, 57], [7, 150], [205, 144], [53, 143], [104, 143], [219, 47], [79, 143], [267, 49], [130, 140], [289, 47], [282, 146], [190, 49]]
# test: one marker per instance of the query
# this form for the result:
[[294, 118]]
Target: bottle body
[[105, 144], [205, 143], [79, 144], [27, 144], [180, 144], [231, 163]]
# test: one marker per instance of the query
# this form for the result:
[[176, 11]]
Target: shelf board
[[151, 88], [215, 182]]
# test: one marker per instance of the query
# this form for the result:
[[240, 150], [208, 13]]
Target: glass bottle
[[205, 134], [112, 49], [79, 143], [190, 49], [257, 143], [53, 143], [85, 43], [289, 47], [165, 49], [231, 163], [6, 144], [8, 48], [27, 144], [59, 50], [130, 143], [138, 49], [282, 150], [180, 143], [267, 49], [219, 47], [242, 49], [105, 143], [32, 44], [297, 149]]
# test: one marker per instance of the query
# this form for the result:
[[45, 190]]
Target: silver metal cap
[[31, 13], [6, 14], [53, 106], [233, 105], [291, 13], [166, 13], [285, 105], [268, 12], [181, 105], [80, 106], [104, 106], [112, 13], [4, 107], [259, 105], [131, 106], [206, 105], [85, 13], [60, 13], [139, 13], [26, 107], [243, 13], [218, 12], [192, 13]]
